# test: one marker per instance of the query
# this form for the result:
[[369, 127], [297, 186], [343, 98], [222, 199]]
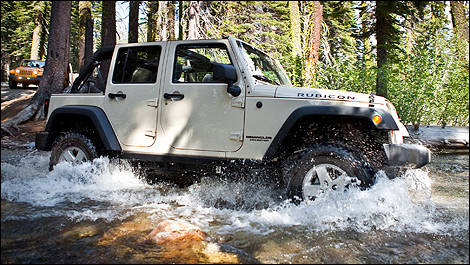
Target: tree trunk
[[365, 34], [295, 28], [180, 20], [171, 20], [161, 21], [108, 31], [459, 20], [460, 27], [133, 21], [381, 13], [5, 65], [296, 33], [57, 62], [36, 42], [85, 33], [314, 43], [38, 30], [152, 9], [43, 19], [193, 24]]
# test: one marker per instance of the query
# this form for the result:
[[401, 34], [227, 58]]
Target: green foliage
[[431, 87], [265, 24], [339, 17], [346, 76], [96, 10], [19, 18], [425, 74]]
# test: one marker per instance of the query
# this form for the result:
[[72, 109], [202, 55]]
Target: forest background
[[416, 53]]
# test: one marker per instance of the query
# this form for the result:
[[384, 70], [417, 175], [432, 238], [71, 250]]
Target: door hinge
[[238, 103], [152, 103], [151, 133], [236, 136]]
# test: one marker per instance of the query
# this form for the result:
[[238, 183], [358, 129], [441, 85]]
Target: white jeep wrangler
[[220, 104]]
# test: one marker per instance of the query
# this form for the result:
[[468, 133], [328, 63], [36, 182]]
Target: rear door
[[131, 98]]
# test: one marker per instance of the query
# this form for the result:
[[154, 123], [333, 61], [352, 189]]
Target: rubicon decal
[[323, 96]]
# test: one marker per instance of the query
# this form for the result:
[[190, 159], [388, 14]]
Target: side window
[[194, 63], [137, 65]]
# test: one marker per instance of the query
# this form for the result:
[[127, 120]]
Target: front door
[[132, 94], [197, 112]]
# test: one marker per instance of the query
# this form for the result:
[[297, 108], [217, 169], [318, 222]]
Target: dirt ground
[[13, 101]]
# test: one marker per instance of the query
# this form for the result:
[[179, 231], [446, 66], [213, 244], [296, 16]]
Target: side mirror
[[227, 73]]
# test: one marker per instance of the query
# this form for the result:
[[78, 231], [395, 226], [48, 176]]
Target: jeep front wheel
[[74, 148], [12, 84], [325, 168]]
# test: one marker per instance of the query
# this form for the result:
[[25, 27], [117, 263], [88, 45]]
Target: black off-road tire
[[335, 156], [25, 85], [74, 142]]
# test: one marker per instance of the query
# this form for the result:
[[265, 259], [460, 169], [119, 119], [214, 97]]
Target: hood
[[326, 94]]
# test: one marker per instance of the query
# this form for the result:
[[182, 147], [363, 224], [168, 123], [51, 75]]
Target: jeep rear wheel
[[74, 148], [325, 168]]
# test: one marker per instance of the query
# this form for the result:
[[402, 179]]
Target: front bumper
[[407, 154], [25, 79]]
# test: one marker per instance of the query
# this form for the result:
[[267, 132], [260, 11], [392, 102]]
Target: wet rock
[[121, 232], [182, 242], [172, 231], [81, 231]]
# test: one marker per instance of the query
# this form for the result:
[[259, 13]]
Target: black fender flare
[[388, 123], [97, 117]]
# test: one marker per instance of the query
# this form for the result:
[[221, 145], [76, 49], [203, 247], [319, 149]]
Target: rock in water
[[173, 231], [186, 243]]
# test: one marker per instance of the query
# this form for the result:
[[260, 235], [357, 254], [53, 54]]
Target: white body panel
[[134, 118], [208, 122], [207, 118]]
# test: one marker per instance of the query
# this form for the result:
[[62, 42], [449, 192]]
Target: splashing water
[[111, 190]]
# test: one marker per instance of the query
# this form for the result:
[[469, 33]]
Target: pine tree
[[152, 9], [133, 21], [85, 33], [108, 31], [171, 20], [460, 25], [316, 19], [193, 20], [37, 32], [340, 21], [55, 71], [296, 33]]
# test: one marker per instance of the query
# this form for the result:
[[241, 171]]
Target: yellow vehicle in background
[[29, 72]]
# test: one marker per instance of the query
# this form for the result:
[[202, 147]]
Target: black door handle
[[173, 96], [120, 95]]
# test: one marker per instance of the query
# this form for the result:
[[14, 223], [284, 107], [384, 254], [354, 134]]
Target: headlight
[[17, 71], [35, 72]]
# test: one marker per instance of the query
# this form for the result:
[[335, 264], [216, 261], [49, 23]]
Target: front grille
[[26, 72]]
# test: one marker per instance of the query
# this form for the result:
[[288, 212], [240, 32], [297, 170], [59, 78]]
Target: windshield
[[263, 67], [33, 63]]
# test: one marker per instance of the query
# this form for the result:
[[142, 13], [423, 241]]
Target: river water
[[101, 212]]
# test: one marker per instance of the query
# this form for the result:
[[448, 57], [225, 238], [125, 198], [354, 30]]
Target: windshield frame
[[276, 66], [41, 64]]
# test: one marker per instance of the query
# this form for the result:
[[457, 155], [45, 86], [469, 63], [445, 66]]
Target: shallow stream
[[101, 212]]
